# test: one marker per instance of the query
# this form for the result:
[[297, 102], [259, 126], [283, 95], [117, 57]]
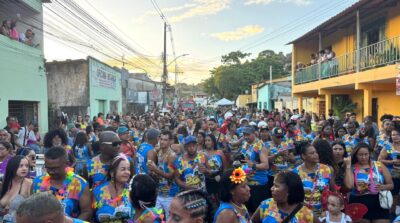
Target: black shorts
[[374, 208], [396, 188], [258, 193]]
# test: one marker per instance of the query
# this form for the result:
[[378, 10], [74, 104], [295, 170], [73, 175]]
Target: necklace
[[241, 207], [62, 192]]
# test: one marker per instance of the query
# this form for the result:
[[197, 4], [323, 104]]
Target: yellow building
[[366, 41], [242, 100]]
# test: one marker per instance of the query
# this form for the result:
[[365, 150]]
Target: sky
[[203, 29]]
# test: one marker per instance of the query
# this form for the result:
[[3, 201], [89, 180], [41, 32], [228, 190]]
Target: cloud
[[202, 8], [195, 8], [265, 2], [239, 33]]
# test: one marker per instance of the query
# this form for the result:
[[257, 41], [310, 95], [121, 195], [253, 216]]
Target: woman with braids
[[143, 196], [111, 199], [234, 194], [191, 206]]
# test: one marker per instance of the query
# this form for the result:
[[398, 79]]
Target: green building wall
[[104, 91], [23, 78]]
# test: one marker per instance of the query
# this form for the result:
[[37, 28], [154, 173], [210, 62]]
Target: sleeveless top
[[252, 152], [141, 158], [166, 188], [392, 154], [241, 219], [314, 184], [365, 181], [270, 213], [13, 206], [106, 207]]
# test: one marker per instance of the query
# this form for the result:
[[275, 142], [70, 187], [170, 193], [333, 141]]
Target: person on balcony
[[313, 59]]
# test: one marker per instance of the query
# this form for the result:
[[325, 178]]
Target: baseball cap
[[243, 119], [152, 134], [277, 131], [189, 139], [122, 129], [248, 129]]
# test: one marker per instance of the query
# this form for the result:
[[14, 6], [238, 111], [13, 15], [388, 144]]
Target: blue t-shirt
[[141, 157]]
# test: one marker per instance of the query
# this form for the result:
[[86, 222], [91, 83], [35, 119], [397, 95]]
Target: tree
[[234, 57], [234, 77]]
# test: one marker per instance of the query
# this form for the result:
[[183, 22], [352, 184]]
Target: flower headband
[[120, 156], [238, 176]]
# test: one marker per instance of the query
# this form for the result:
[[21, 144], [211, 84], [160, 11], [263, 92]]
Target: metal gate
[[24, 111]]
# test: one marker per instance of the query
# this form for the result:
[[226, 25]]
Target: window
[[265, 105]]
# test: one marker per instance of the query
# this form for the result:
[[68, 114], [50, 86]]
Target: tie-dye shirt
[[189, 170], [270, 213], [314, 184], [69, 195]]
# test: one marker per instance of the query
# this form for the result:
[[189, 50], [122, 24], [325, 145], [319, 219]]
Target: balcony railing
[[372, 56]]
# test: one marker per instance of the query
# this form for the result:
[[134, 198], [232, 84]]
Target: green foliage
[[234, 77], [342, 104]]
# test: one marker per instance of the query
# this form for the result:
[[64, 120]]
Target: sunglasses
[[279, 136], [116, 143], [32, 157]]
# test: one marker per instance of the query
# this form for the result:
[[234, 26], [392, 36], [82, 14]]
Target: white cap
[[262, 124], [243, 119], [227, 115], [253, 124]]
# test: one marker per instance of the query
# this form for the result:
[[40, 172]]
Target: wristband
[[254, 167]]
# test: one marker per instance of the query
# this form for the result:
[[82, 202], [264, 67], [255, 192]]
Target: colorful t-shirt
[[153, 213], [111, 209], [189, 170], [362, 179], [215, 161], [392, 154], [314, 184], [69, 195], [270, 213], [82, 155], [351, 141], [97, 171], [241, 219], [280, 163], [141, 157], [167, 188], [252, 152], [128, 149], [220, 140]]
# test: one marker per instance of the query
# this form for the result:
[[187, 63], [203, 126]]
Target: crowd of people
[[225, 165], [315, 58], [9, 28]]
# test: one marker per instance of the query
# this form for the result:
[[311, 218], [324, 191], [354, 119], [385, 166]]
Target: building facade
[[365, 39], [82, 87], [23, 91]]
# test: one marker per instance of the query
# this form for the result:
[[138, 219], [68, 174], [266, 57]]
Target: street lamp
[[183, 55]]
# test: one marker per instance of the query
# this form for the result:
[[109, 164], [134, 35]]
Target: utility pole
[[165, 71]]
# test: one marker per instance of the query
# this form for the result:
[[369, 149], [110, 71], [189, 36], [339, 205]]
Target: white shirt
[[29, 136]]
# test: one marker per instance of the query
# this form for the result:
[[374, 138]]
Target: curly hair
[[48, 138]]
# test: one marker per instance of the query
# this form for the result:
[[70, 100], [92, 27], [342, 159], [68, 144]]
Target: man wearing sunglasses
[[279, 152], [97, 168], [70, 189]]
